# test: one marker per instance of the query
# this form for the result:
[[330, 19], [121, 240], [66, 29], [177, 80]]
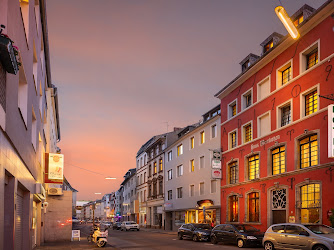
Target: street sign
[[331, 131]]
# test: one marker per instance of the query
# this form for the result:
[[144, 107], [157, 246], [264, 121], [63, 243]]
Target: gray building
[[191, 194], [130, 202]]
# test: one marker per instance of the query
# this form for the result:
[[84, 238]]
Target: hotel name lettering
[[263, 142]]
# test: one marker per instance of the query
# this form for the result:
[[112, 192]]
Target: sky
[[127, 70]]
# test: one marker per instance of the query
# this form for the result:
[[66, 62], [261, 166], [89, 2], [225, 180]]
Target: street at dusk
[[166, 124]]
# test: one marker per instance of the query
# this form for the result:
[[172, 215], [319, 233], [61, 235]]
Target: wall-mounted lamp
[[288, 24]]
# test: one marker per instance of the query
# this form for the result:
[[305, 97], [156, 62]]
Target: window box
[[8, 55]]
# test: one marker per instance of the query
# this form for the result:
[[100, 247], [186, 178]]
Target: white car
[[129, 225]]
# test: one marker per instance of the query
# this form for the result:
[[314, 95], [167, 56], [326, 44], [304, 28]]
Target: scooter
[[98, 237]]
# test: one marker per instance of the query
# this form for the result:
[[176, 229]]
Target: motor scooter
[[98, 237]]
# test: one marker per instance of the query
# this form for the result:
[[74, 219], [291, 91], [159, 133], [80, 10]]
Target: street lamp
[[288, 24]]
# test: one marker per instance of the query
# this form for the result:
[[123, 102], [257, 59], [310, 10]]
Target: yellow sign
[[56, 166]]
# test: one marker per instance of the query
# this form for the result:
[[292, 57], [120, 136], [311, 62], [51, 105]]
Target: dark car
[[116, 226], [195, 231], [242, 235]]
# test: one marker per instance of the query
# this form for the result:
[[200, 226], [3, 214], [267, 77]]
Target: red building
[[274, 132]]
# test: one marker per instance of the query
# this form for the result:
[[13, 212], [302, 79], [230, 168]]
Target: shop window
[[253, 167], [310, 203], [233, 172], [253, 207], [247, 131], [233, 207], [308, 151], [278, 160]]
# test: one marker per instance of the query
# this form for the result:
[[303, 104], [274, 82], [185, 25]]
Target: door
[[278, 206], [18, 219], [279, 216], [34, 224]]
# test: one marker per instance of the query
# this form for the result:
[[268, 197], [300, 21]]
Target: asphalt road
[[147, 239]]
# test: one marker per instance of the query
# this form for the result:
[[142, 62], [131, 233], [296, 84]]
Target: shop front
[[205, 212]]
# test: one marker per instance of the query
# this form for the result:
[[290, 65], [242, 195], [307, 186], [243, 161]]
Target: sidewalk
[[69, 245]]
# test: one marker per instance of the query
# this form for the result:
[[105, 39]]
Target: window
[[286, 75], [179, 192], [299, 20], [169, 155], [179, 150], [160, 187], [179, 170], [253, 167], [24, 5], [263, 88], [278, 160], [309, 151], [23, 95], [245, 65], [292, 229], [192, 190], [213, 186], [247, 99], [160, 165], [268, 46], [192, 165], [248, 133], [170, 174], [285, 115], [149, 170], [34, 129], [192, 142], [233, 139], [149, 190], [155, 167], [233, 215], [201, 188], [213, 131], [264, 127], [310, 203], [170, 194], [202, 137], [144, 177], [232, 109], [201, 162], [312, 58], [311, 103], [155, 189], [233, 172], [253, 207]]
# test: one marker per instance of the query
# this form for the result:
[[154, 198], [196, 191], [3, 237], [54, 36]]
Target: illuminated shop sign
[[56, 166], [331, 131]]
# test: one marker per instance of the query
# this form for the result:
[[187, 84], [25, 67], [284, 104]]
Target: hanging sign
[[331, 131], [56, 166], [216, 164], [216, 173]]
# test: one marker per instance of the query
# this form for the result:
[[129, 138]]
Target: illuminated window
[[247, 99], [179, 192], [192, 142], [310, 203], [269, 46], [232, 109], [179, 150], [155, 167], [299, 20], [285, 115], [311, 103], [253, 167], [202, 137], [160, 165], [233, 139], [192, 166], [233, 215], [248, 133], [233, 172], [286, 75], [309, 151], [253, 207], [312, 58], [278, 160]]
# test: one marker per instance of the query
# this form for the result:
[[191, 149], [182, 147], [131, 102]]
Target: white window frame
[[304, 53], [279, 112], [302, 99], [258, 87], [279, 82], [229, 108], [230, 139], [170, 171], [258, 124], [243, 99], [178, 172], [170, 153]]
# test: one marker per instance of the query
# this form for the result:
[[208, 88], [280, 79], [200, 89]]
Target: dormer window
[[299, 20], [268, 46], [245, 65]]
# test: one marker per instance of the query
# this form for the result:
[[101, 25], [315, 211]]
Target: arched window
[[253, 207]]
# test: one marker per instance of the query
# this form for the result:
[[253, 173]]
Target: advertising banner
[[56, 166], [216, 164], [331, 131], [216, 173]]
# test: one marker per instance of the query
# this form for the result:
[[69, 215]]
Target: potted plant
[[8, 53]]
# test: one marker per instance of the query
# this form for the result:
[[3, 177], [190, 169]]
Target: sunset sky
[[125, 68]]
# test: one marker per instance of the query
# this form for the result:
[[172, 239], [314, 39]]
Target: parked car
[[298, 236], [106, 224], [242, 235], [117, 226], [195, 231], [129, 225]]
